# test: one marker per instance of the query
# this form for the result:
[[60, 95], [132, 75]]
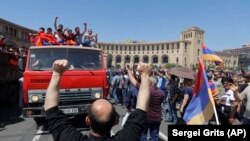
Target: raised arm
[[55, 23], [131, 77], [143, 94], [85, 28], [52, 94]]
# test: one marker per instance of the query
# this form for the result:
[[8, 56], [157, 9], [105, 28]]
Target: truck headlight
[[97, 95], [34, 98]]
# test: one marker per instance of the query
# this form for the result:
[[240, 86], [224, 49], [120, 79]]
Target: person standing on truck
[[78, 36], [90, 39], [101, 117]]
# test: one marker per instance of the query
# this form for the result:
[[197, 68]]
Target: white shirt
[[227, 98]]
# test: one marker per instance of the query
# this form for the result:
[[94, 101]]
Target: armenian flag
[[200, 108], [210, 55]]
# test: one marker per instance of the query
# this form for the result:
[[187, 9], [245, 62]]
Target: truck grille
[[73, 96]]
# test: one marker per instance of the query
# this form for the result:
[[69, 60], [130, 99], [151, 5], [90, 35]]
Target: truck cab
[[84, 82]]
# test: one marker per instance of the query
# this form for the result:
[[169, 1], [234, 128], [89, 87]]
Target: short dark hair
[[103, 127], [50, 29], [42, 29]]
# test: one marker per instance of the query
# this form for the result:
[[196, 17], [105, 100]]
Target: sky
[[226, 22]]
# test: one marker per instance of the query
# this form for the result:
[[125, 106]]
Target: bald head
[[101, 109], [102, 116]]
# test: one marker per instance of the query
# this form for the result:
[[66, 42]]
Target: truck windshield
[[79, 59]]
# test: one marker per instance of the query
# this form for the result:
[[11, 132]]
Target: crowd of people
[[17, 56], [170, 95], [64, 36]]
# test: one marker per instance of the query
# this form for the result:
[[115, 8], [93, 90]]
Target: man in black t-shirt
[[102, 115]]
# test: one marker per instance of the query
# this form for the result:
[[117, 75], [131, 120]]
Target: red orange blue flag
[[200, 109], [210, 55]]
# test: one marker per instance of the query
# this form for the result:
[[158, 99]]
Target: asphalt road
[[24, 129]]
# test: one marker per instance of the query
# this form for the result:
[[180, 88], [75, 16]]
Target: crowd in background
[[170, 96]]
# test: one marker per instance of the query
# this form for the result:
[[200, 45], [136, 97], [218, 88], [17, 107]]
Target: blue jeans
[[124, 94], [172, 111], [163, 108], [154, 127], [115, 95]]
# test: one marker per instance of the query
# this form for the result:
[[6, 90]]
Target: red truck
[[83, 83]]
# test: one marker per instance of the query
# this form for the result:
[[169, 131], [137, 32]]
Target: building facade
[[244, 54], [182, 52], [15, 35]]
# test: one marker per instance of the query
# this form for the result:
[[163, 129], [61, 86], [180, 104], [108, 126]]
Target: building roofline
[[144, 43], [192, 28], [16, 25]]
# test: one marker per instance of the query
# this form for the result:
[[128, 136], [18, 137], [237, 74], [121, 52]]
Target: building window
[[172, 46], [185, 60], [138, 47], [11, 31], [198, 51], [145, 59], [112, 47], [129, 48], [178, 45], [136, 59], [107, 47], [148, 47], [162, 47], [155, 59], [127, 59], [143, 48], [157, 47], [116, 48], [153, 47], [125, 48], [165, 59], [185, 45], [6, 29], [15, 33], [177, 60], [118, 59], [167, 47]]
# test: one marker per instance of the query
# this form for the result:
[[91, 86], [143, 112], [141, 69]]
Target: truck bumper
[[30, 112]]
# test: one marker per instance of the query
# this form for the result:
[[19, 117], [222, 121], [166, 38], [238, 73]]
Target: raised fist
[[144, 68], [60, 66]]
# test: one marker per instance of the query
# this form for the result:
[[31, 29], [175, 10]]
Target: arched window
[[118, 59], [145, 59], [109, 60], [165, 59], [136, 59], [155, 59], [127, 59]]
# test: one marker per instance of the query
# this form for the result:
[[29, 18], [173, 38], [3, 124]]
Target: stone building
[[182, 52], [244, 54], [15, 35]]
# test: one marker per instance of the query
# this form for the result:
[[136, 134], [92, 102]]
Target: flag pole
[[216, 115]]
